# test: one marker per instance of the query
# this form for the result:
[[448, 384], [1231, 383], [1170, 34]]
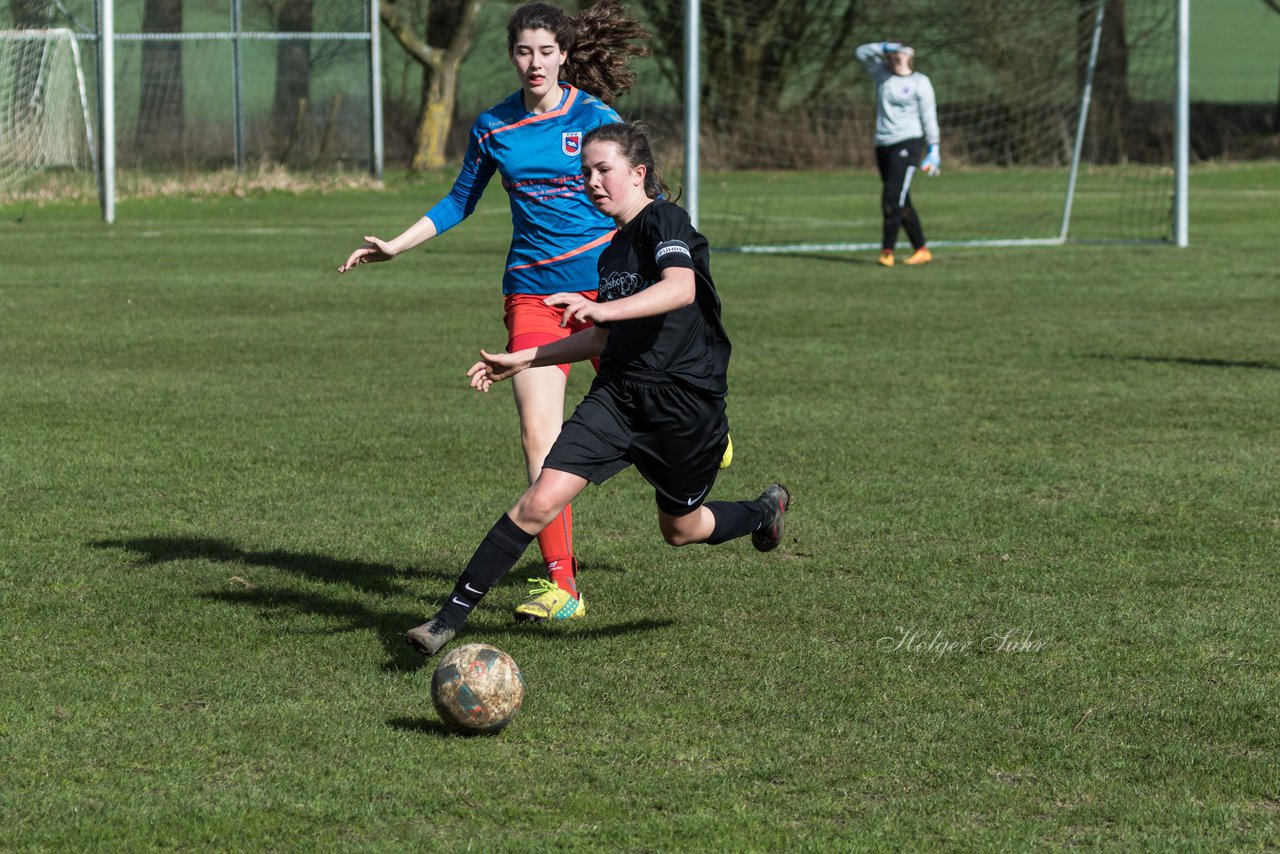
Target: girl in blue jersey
[[570, 69]]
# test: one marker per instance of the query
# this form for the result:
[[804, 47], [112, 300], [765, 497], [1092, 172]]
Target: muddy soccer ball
[[477, 689]]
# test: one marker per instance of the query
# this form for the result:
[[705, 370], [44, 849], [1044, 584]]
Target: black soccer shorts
[[673, 435]]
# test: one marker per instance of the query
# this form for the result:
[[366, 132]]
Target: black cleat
[[429, 637], [767, 536]]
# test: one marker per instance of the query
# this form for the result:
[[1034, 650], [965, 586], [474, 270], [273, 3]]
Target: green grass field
[[1233, 51], [231, 478]]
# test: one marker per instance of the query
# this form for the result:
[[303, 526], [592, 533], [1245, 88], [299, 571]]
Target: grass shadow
[[587, 567], [374, 577], [430, 726], [348, 612], [351, 616], [1189, 361], [558, 632]]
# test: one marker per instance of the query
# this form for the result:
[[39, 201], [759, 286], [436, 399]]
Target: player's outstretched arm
[[496, 367], [375, 249], [676, 289]]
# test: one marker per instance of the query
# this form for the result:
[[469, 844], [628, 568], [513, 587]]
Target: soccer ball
[[477, 689]]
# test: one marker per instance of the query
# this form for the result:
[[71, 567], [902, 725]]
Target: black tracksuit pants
[[898, 164]]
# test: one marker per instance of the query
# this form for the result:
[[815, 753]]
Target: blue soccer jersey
[[558, 234]]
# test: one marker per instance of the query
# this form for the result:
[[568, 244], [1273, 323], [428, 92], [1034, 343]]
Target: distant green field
[[1027, 598], [1235, 51], [966, 204]]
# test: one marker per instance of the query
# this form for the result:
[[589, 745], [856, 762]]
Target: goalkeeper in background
[[906, 122]]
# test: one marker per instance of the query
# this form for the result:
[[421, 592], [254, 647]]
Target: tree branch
[[403, 33], [461, 41]]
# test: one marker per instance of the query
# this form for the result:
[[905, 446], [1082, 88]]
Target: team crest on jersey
[[571, 142]]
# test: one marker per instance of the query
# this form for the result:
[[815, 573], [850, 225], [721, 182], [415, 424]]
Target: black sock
[[735, 519], [498, 552]]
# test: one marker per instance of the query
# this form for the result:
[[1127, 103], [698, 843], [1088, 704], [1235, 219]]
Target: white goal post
[[45, 118]]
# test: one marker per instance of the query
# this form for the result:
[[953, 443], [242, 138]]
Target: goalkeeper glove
[[932, 163]]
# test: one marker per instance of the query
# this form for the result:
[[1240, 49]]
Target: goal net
[[45, 122], [787, 151]]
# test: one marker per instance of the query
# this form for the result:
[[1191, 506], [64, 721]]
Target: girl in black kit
[[658, 400]]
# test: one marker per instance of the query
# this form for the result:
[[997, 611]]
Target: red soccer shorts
[[532, 323]]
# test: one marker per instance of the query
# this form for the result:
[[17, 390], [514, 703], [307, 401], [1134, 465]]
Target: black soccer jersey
[[688, 344]]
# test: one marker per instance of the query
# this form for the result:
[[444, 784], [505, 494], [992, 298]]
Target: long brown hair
[[632, 140], [600, 42]]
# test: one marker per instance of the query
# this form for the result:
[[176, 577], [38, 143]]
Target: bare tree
[[1111, 103], [29, 14], [161, 102], [769, 66], [439, 51], [762, 54], [293, 70]]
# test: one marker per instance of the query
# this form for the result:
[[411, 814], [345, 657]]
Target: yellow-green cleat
[[728, 453], [547, 601]]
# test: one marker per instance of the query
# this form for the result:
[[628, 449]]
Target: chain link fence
[[209, 84]]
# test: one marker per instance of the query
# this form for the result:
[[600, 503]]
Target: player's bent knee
[[677, 539], [534, 511], [678, 530]]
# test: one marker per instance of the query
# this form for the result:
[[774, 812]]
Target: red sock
[[556, 542]]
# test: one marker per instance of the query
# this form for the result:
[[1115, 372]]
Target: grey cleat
[[767, 536], [429, 637]]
